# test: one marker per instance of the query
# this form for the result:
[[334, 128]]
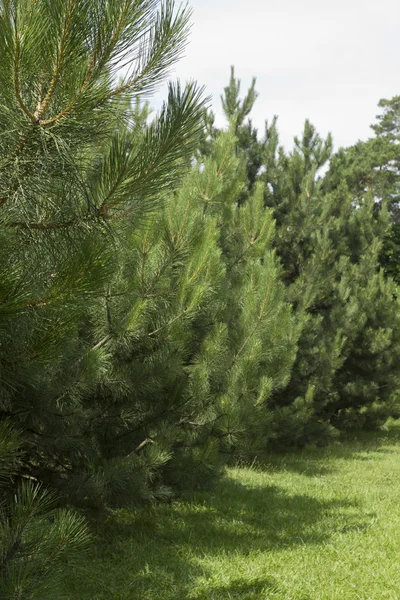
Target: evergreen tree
[[35, 537], [77, 180], [143, 321], [329, 243], [237, 111], [329, 240], [252, 270], [373, 167], [204, 335], [387, 132], [260, 333], [309, 259]]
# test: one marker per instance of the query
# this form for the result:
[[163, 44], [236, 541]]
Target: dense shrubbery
[[171, 295]]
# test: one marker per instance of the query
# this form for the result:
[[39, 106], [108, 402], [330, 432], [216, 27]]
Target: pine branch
[[256, 326], [143, 444], [147, 422], [41, 107], [176, 318], [17, 89]]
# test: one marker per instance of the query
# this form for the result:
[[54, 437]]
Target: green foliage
[[144, 326], [204, 334], [329, 241], [10, 452], [35, 540], [247, 145], [81, 174], [171, 294], [36, 537], [261, 335], [372, 167], [329, 238]]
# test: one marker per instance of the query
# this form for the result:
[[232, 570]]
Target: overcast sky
[[326, 60]]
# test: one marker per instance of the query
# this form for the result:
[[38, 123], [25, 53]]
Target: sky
[[326, 60]]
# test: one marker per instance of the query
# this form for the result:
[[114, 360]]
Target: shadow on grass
[[302, 462], [373, 441], [240, 589], [173, 552], [317, 462], [203, 547]]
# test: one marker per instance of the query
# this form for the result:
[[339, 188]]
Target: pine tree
[[305, 227], [260, 333], [329, 243], [329, 240], [367, 384], [205, 334], [35, 536], [143, 321], [236, 112], [78, 181], [373, 166]]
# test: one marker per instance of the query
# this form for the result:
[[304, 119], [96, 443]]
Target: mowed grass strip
[[312, 525]]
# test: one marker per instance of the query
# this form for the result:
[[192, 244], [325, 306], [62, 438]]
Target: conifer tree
[[260, 333], [143, 322], [329, 242], [263, 343], [204, 335], [373, 167], [77, 179], [236, 111], [328, 239], [35, 536]]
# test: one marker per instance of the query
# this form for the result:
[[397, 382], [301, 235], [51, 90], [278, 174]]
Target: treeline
[[172, 296]]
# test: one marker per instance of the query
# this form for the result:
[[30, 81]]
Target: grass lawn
[[315, 525]]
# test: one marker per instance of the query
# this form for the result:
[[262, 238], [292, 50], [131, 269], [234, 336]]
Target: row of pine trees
[[173, 296]]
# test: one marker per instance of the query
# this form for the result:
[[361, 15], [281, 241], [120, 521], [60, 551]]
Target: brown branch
[[143, 444], [62, 114], [92, 62], [70, 106]]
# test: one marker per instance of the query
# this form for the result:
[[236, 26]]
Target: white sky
[[326, 60]]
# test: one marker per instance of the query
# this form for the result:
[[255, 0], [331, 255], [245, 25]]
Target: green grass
[[315, 525]]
